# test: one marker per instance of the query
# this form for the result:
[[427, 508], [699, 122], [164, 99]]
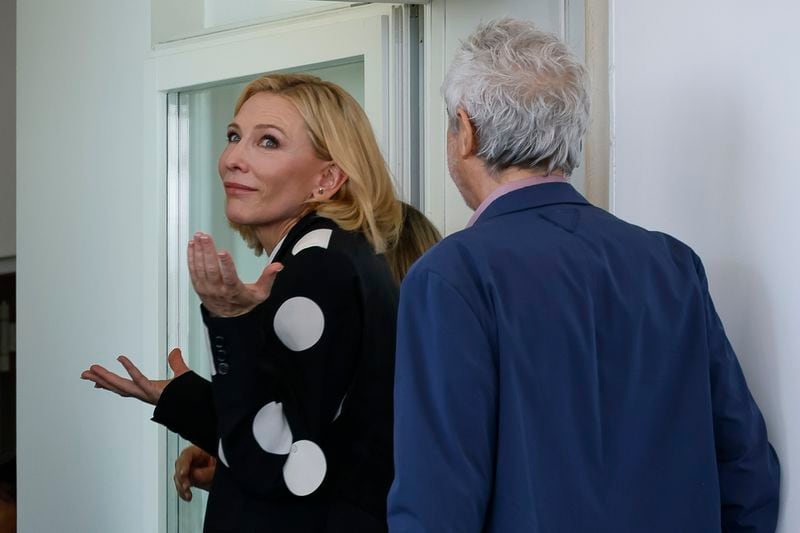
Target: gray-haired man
[[557, 368]]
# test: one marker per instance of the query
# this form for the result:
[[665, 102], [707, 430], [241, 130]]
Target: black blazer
[[299, 409]]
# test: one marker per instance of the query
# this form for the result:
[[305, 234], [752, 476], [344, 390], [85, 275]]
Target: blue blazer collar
[[531, 198]]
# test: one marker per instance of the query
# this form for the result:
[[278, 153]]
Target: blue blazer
[[561, 370]]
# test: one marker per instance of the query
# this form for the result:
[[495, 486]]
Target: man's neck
[[512, 175], [516, 174], [508, 182]]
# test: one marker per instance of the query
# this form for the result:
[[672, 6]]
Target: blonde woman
[[194, 467], [298, 414]]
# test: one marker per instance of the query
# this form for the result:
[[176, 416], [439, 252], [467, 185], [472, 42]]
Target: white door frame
[[207, 60]]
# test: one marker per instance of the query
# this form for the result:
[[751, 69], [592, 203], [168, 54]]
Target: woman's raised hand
[[138, 386], [218, 285]]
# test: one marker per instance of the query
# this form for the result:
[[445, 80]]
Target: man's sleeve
[[445, 410], [749, 473]]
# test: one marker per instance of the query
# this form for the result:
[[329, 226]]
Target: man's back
[[561, 370]]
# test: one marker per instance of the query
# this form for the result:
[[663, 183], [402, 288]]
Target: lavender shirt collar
[[511, 187]]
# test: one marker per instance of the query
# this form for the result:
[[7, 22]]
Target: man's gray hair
[[526, 94]]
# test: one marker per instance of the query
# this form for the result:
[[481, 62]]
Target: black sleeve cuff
[[186, 407]]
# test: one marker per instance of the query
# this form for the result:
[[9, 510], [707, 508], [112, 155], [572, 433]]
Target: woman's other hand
[[193, 468], [138, 386], [218, 285]]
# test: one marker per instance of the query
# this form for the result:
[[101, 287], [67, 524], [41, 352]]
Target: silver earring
[[321, 191]]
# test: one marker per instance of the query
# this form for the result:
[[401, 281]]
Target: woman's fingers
[[181, 476], [176, 362], [210, 260], [199, 264], [99, 383], [138, 378], [217, 283], [228, 270], [113, 382], [194, 273], [182, 488], [193, 468], [138, 386], [150, 390], [267, 279], [205, 268]]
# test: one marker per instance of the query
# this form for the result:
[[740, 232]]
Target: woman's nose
[[235, 157]]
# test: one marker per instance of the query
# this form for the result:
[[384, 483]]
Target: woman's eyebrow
[[267, 126], [258, 127]]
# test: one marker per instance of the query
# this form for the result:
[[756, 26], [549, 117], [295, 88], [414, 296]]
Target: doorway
[[375, 57]]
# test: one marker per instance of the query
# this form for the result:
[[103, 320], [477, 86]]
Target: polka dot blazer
[[299, 407]]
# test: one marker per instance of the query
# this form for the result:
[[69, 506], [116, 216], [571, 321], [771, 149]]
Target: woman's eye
[[268, 142], [233, 137]]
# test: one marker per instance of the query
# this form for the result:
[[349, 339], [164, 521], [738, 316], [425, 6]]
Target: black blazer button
[[223, 368]]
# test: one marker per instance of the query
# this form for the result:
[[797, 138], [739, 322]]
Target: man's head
[[518, 102]]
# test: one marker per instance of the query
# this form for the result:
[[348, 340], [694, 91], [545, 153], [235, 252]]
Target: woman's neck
[[269, 235]]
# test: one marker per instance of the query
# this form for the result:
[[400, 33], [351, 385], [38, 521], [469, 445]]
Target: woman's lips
[[237, 188]]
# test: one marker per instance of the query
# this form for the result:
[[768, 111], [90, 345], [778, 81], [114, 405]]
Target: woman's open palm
[[217, 283], [138, 386]]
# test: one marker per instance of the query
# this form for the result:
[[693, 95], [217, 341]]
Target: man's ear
[[466, 136], [331, 180]]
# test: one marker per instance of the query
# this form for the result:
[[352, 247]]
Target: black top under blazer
[[299, 407]]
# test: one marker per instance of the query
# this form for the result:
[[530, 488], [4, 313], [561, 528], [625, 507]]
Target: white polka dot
[[271, 429], [319, 238], [305, 468], [221, 454], [299, 323]]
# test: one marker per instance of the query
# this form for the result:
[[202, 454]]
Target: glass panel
[[197, 123], [179, 19], [224, 12]]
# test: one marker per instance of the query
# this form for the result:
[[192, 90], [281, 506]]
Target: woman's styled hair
[[417, 235], [340, 132], [525, 93]]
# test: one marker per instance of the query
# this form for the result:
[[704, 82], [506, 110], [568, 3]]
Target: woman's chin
[[239, 221], [235, 216]]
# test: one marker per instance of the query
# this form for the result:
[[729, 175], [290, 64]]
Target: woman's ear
[[331, 180]]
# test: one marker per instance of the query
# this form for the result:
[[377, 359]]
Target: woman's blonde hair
[[340, 132]]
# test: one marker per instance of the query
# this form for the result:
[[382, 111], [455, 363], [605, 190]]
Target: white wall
[[7, 137], [707, 116], [86, 459]]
